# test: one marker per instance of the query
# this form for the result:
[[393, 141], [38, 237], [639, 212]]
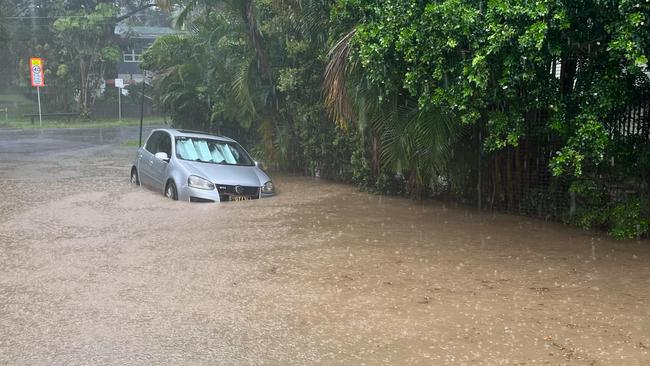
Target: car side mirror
[[162, 156]]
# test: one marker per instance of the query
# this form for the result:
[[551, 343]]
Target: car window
[[165, 144], [227, 150], [211, 151], [201, 147], [185, 149], [152, 142]]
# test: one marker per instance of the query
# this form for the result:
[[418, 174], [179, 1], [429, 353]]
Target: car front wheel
[[170, 191], [134, 176]]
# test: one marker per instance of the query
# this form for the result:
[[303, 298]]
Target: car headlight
[[200, 183], [268, 188]]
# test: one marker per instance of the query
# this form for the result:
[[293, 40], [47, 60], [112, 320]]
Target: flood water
[[97, 271]]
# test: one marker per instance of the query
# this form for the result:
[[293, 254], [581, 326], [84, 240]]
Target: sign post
[[119, 84], [36, 71]]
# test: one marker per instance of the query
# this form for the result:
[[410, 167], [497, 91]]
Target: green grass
[[79, 123], [17, 105], [9, 98], [131, 143]]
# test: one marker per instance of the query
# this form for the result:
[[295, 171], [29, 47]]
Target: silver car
[[196, 167]]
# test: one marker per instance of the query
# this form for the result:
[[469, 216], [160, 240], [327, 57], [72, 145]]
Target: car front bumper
[[190, 194]]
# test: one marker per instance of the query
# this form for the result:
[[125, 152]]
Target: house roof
[[124, 30]]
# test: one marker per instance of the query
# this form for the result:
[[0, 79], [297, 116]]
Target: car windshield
[[211, 151]]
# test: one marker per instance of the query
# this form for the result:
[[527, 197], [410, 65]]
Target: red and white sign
[[36, 70]]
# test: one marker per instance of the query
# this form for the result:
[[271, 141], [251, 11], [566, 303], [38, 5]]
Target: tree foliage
[[492, 62], [88, 43], [406, 95], [75, 38]]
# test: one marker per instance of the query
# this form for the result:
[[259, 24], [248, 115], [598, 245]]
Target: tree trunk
[[568, 74], [496, 187], [375, 155], [250, 18], [83, 88], [415, 189], [509, 178], [263, 61]]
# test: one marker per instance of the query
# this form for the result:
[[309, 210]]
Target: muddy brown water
[[97, 271]]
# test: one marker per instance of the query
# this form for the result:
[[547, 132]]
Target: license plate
[[239, 198]]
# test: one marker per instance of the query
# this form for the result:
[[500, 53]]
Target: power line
[[53, 17]]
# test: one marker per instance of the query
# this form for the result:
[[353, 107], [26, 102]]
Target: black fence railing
[[519, 179], [632, 122], [110, 110]]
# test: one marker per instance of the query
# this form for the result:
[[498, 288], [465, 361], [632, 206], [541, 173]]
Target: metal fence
[[129, 110], [633, 122], [519, 179]]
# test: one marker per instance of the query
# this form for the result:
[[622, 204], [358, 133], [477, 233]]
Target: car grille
[[226, 191], [199, 199]]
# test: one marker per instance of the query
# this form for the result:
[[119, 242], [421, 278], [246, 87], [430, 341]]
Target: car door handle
[[150, 162]]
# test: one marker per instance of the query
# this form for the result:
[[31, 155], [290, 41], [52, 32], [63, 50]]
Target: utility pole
[[144, 83]]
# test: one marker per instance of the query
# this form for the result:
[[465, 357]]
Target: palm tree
[[252, 83], [412, 141], [247, 12]]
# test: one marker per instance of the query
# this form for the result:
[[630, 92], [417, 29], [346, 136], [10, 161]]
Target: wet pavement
[[34, 142], [97, 271]]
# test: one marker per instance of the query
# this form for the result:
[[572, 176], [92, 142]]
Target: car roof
[[190, 133]]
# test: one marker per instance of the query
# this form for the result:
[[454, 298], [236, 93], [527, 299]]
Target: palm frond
[[241, 87], [315, 18], [413, 140], [337, 101], [183, 17]]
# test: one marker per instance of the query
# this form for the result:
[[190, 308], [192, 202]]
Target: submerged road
[[97, 271]]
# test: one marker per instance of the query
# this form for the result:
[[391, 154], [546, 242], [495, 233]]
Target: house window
[[132, 56]]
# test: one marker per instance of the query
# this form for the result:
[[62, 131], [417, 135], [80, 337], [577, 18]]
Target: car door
[[147, 159], [159, 166]]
